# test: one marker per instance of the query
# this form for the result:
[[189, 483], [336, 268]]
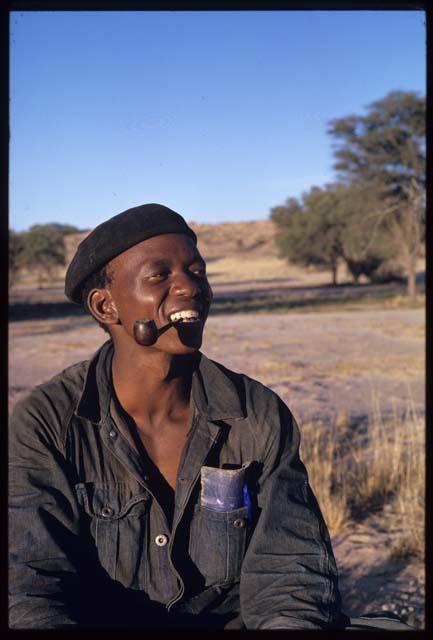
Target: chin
[[184, 349], [179, 347], [189, 339], [182, 340]]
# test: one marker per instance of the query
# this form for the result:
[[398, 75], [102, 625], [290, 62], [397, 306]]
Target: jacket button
[[239, 523], [112, 433], [161, 540], [107, 512]]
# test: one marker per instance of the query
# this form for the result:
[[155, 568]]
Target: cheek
[[133, 301], [209, 294], [207, 291]]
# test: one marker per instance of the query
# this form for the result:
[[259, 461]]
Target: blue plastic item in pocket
[[247, 502], [222, 489]]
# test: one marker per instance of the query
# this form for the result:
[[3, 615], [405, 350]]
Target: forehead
[[168, 246]]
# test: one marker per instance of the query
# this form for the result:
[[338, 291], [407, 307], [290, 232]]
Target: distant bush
[[16, 248], [40, 250]]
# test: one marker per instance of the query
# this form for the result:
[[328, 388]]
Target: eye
[[199, 270], [160, 275]]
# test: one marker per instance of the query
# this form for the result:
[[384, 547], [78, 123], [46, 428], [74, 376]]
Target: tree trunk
[[12, 277], [406, 230], [334, 275], [415, 212], [411, 279]]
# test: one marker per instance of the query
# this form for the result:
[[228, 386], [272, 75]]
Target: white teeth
[[189, 314]]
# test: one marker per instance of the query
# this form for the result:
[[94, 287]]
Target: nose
[[185, 284]]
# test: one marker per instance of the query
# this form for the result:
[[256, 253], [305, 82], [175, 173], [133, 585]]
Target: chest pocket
[[119, 526], [218, 543]]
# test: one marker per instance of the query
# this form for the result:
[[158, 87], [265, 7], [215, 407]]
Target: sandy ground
[[324, 366]]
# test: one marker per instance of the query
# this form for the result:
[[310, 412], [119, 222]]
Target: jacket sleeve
[[55, 577], [44, 521], [289, 574]]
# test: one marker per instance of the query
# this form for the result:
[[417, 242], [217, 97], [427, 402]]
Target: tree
[[364, 242], [334, 224], [44, 249], [385, 149], [15, 256], [309, 230]]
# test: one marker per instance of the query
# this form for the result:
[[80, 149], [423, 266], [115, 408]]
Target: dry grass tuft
[[327, 475], [355, 476]]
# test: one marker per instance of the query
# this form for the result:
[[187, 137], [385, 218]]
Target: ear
[[102, 306]]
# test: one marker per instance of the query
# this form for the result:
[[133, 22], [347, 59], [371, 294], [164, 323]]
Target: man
[[150, 486]]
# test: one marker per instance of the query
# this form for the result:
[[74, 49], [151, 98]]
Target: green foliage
[[333, 224], [386, 148], [364, 240], [309, 231], [42, 248], [373, 218], [16, 248]]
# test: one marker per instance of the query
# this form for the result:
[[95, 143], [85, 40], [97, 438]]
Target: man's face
[[157, 278]]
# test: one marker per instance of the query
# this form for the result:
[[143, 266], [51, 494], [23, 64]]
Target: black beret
[[116, 235]]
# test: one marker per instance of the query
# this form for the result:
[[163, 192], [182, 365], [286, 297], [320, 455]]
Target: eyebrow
[[164, 262]]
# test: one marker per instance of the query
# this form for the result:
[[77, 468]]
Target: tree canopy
[[385, 146], [375, 212], [309, 230], [385, 150]]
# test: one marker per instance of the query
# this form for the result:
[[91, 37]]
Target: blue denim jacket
[[90, 545]]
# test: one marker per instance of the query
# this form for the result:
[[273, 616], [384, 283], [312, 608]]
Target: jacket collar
[[94, 400], [216, 392]]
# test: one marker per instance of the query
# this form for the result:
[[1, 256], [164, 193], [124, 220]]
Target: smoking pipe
[[147, 333]]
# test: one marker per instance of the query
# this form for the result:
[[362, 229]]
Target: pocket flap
[[111, 500]]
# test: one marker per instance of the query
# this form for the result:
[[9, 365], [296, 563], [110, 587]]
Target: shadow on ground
[[280, 299], [383, 589], [361, 598], [43, 310], [51, 303]]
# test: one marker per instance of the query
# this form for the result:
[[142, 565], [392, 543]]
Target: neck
[[150, 384]]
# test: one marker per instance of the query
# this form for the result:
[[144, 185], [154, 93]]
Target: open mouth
[[187, 316]]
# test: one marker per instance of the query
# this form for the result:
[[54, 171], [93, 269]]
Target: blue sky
[[219, 115]]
